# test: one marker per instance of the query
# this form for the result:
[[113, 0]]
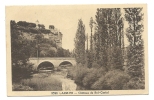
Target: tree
[[134, 31], [80, 43], [60, 52], [32, 25], [116, 38], [90, 53], [20, 53], [100, 37], [135, 64], [19, 46], [38, 40], [91, 36], [108, 38]]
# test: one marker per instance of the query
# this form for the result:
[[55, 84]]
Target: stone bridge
[[52, 61]]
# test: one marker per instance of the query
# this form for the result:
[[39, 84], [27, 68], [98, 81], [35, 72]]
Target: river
[[67, 83]]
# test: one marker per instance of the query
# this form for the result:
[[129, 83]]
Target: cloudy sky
[[64, 18]]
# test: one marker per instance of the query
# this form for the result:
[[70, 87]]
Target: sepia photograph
[[77, 50]]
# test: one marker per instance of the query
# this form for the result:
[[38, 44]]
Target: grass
[[40, 82], [20, 87]]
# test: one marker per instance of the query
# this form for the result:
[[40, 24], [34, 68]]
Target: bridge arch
[[65, 64], [45, 65]]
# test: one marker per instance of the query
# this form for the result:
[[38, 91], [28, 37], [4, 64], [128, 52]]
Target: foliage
[[63, 52], [95, 65], [20, 87], [99, 84], [90, 53], [21, 71], [115, 58], [112, 80], [108, 37], [79, 73], [135, 83], [37, 44], [80, 43], [116, 79], [20, 54], [40, 83], [135, 55], [22, 48], [134, 17], [91, 37], [84, 76], [46, 31], [135, 63], [97, 78], [26, 24], [90, 56], [92, 76], [19, 46]]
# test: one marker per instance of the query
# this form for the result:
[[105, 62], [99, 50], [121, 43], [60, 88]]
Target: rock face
[[30, 29]]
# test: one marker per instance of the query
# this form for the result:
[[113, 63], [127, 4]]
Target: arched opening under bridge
[[45, 66], [65, 64]]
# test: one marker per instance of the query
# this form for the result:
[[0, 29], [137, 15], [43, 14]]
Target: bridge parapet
[[56, 61], [52, 58]]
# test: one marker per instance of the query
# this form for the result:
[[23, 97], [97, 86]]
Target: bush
[[85, 77], [134, 83], [43, 83], [116, 79], [92, 76], [21, 71], [78, 73], [20, 87], [99, 84], [135, 63], [113, 80], [95, 65]]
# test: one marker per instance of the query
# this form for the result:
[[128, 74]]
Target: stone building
[[56, 35], [53, 33]]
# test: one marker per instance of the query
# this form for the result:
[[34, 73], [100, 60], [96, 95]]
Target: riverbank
[[46, 81]]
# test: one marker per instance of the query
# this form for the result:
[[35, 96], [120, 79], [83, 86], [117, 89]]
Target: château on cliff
[[29, 30]]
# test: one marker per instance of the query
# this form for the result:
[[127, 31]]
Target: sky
[[65, 18]]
